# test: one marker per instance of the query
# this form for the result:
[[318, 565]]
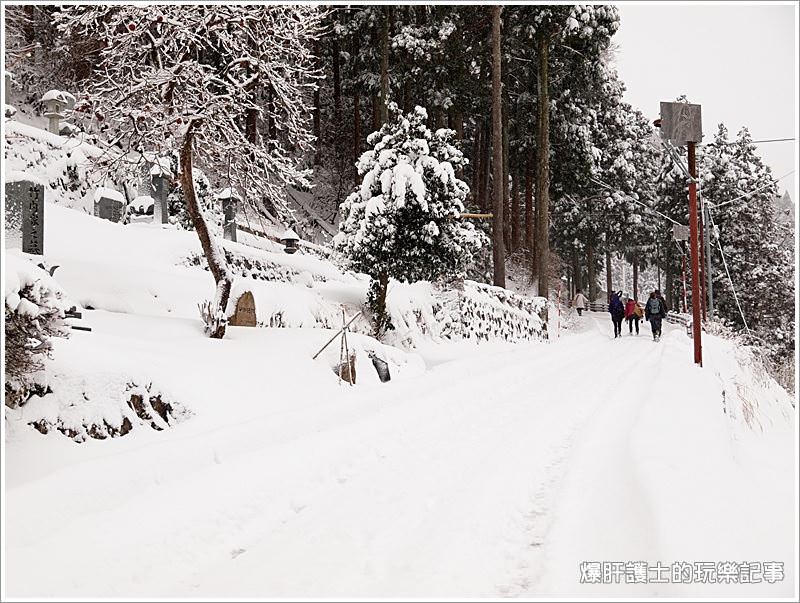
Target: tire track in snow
[[601, 509]]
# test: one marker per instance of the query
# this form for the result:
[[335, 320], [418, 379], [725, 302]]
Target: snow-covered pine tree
[[740, 189], [200, 80], [404, 222]]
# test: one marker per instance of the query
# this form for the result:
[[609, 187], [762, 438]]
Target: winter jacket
[[580, 301], [616, 308], [630, 308], [638, 311], [649, 309]]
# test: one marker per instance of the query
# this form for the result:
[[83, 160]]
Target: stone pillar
[[160, 187], [229, 211], [25, 216]]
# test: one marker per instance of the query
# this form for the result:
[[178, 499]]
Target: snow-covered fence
[[484, 312], [679, 318], [598, 306]]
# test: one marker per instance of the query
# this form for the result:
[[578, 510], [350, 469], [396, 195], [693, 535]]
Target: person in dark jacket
[[655, 310], [617, 311]]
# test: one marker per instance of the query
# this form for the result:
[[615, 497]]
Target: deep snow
[[496, 471]]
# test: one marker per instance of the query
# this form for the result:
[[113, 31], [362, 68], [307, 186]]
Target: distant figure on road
[[633, 314], [617, 311], [655, 311], [580, 302]]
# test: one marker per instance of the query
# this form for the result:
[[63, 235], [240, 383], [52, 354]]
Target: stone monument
[[25, 216], [245, 314]]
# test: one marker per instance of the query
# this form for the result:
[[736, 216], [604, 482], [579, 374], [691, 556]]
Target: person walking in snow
[[580, 302], [617, 311], [633, 314], [655, 311]]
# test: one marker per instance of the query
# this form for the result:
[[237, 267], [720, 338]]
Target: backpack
[[653, 306], [616, 306]]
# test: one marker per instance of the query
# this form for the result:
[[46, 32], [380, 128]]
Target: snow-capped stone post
[[290, 239], [108, 204], [7, 89], [25, 216], [55, 102], [229, 200], [160, 177]]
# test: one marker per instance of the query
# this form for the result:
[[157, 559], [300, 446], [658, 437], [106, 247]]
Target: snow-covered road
[[495, 472]]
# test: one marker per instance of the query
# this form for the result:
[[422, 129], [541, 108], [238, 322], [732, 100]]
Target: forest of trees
[[573, 175]]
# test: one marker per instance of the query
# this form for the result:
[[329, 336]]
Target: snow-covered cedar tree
[[208, 82], [404, 222], [761, 265], [33, 314]]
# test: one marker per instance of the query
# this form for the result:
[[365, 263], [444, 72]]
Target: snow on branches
[[403, 221], [224, 70]]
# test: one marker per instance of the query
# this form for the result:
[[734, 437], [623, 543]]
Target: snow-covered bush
[[33, 314], [403, 221]]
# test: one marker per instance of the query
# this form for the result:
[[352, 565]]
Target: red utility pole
[[695, 250]]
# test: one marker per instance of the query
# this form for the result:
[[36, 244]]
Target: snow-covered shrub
[[213, 316], [404, 220], [33, 314], [97, 406]]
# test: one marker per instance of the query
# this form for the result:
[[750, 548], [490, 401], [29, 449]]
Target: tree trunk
[[529, 216], [635, 276], [476, 166], [506, 195], [486, 166], [356, 114], [543, 166], [316, 113], [592, 285], [212, 253], [498, 251], [383, 115], [515, 221], [576, 270], [337, 82], [458, 118], [380, 315], [609, 279]]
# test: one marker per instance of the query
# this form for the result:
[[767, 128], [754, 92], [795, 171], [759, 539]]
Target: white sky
[[737, 60]]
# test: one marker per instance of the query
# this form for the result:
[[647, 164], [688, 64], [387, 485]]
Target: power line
[[603, 184], [714, 144], [728, 273], [751, 192]]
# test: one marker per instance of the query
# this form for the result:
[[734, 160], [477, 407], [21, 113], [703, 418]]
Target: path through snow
[[494, 473]]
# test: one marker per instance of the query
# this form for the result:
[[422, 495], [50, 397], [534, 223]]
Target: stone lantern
[[55, 102], [230, 201], [290, 239]]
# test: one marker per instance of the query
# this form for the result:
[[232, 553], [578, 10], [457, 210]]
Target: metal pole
[[693, 235], [709, 279], [701, 217], [683, 277]]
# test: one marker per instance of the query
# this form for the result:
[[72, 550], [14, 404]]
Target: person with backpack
[[633, 313], [617, 311], [580, 302], [655, 311]]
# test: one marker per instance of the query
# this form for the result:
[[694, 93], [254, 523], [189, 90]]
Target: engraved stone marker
[[25, 216], [245, 315]]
